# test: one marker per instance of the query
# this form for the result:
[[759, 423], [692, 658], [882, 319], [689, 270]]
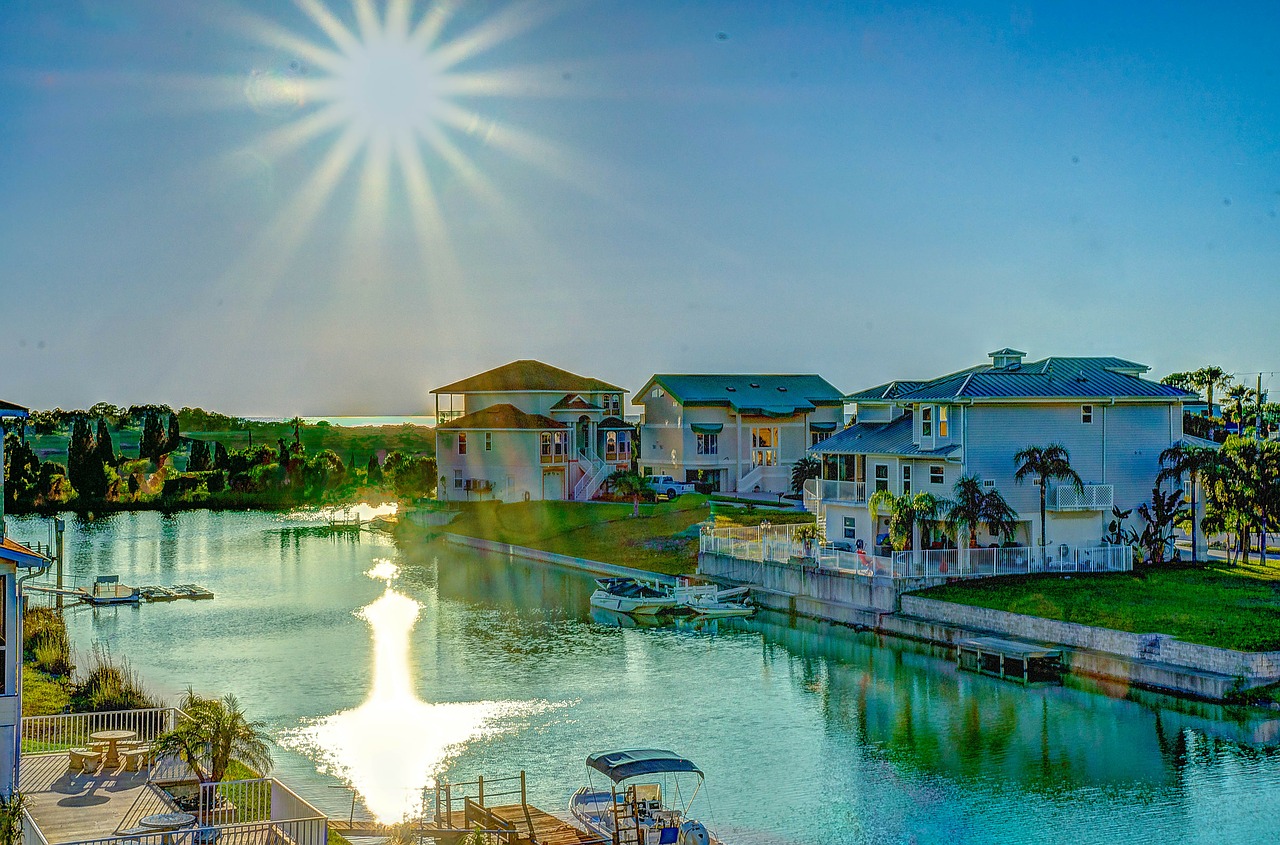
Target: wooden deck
[[514, 819], [1009, 659]]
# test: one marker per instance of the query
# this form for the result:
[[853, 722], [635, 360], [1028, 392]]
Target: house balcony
[[1090, 497], [839, 492], [111, 803]]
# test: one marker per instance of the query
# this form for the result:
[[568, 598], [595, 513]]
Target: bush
[[109, 686], [45, 643]]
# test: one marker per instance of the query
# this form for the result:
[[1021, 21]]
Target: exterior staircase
[[595, 471]]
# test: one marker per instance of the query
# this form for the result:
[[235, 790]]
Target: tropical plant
[[1045, 464], [109, 685], [210, 734], [1240, 394], [1160, 515], [1192, 461], [972, 506], [804, 469], [904, 512], [1242, 493], [627, 482], [1209, 379], [12, 811]]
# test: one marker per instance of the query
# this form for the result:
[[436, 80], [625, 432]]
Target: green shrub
[[45, 643], [109, 685]]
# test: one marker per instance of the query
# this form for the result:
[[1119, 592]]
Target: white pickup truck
[[668, 486]]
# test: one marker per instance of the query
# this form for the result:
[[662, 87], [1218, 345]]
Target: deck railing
[[288, 832], [778, 544], [31, 834], [830, 490], [1090, 497], [474, 798], [71, 730]]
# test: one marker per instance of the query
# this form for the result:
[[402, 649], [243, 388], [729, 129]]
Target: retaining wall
[[1255, 668], [581, 563]]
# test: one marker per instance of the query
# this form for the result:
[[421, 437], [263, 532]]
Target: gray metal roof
[[891, 438], [775, 395], [1050, 378], [887, 391]]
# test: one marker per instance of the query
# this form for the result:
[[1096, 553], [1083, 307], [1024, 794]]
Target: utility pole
[[58, 527], [1257, 432]]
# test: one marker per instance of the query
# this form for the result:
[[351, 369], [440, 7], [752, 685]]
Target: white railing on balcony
[[836, 491], [1090, 497], [71, 730], [778, 544], [31, 834], [288, 832]]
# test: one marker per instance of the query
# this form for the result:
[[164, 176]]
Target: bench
[[84, 760], [135, 759]]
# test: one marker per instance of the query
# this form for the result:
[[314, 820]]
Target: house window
[[764, 447], [613, 405], [1086, 413], [557, 442], [457, 479], [882, 477], [935, 475], [926, 421], [657, 393], [906, 479], [462, 443], [850, 531], [816, 437], [708, 444], [488, 441], [545, 442], [942, 421]]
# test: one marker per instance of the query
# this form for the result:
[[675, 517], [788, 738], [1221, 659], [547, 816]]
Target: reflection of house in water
[[909, 700]]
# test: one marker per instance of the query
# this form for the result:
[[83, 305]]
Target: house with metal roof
[[528, 430], [734, 432], [14, 556], [923, 435]]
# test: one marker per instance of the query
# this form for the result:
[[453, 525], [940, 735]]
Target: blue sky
[[866, 191]]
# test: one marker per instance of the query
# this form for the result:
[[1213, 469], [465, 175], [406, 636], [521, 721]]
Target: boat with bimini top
[[634, 812]]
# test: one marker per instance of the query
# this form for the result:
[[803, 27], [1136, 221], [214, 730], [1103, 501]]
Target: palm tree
[[1240, 394], [1046, 464], [627, 482], [973, 507], [210, 734], [905, 512], [1208, 379], [804, 469], [1193, 461]]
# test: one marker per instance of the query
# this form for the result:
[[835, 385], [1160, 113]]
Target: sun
[[391, 89]]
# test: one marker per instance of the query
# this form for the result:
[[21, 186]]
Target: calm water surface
[[382, 666]]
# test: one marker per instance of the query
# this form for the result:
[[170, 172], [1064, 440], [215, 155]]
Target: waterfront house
[[528, 430], [737, 432], [922, 435], [14, 557]]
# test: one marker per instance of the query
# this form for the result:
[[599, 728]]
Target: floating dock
[[1014, 661], [177, 591]]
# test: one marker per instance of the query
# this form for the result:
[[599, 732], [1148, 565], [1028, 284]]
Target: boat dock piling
[[1015, 661]]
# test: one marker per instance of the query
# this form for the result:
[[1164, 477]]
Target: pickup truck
[[665, 484]]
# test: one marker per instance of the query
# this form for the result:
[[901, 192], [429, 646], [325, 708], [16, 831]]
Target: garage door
[[553, 485]]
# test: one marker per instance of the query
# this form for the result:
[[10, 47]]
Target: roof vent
[[1080, 376], [754, 384], [731, 388], [1006, 358], [781, 389]]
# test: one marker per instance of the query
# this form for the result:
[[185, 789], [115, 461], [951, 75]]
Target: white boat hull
[[637, 606]]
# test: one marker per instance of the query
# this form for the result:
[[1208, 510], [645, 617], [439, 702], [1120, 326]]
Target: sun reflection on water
[[392, 746]]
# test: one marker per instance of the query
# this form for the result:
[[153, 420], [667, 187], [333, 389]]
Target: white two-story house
[[735, 433], [922, 436], [15, 558], [527, 430]]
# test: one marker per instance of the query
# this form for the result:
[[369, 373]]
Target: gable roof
[[527, 375], [15, 552], [1050, 378], [502, 417], [891, 438], [8, 409], [574, 402], [889, 390], [771, 395]]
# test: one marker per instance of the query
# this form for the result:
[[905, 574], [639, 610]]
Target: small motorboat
[[630, 595], [107, 589], [630, 812]]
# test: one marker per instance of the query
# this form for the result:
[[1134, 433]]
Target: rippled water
[[383, 666]]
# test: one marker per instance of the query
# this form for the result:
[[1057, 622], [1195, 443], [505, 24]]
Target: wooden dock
[[1009, 659], [175, 592], [460, 808]]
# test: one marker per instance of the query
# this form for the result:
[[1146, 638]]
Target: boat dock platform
[[1009, 659], [460, 808], [177, 591], [116, 594]]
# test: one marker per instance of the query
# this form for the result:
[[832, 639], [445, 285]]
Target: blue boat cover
[[620, 765]]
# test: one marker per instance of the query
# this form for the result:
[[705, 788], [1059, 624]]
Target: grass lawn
[[663, 539], [1234, 607], [43, 695]]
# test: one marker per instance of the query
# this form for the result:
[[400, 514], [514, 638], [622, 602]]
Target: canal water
[[381, 666]]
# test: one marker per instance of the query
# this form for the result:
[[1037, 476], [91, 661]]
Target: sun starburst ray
[[338, 33], [485, 36], [288, 138]]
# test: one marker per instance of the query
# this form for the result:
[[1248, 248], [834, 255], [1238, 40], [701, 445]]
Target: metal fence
[[290, 832], [778, 544], [72, 730], [835, 491]]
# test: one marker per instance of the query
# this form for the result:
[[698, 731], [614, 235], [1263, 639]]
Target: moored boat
[[630, 812], [630, 595], [707, 600]]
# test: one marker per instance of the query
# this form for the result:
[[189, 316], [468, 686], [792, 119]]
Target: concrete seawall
[[583, 564]]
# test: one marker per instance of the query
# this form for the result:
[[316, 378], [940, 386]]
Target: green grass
[[43, 695], [1233, 607], [663, 538]]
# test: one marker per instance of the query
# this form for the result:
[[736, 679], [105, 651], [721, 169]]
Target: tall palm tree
[[905, 512], [1240, 394], [972, 507], [1209, 378], [1192, 461], [210, 734], [1046, 463]]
